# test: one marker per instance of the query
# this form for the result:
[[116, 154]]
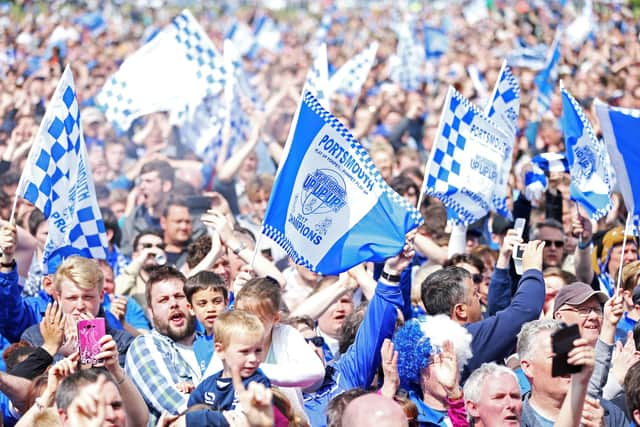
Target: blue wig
[[414, 351]]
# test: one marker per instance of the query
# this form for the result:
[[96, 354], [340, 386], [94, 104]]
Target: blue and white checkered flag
[[620, 131], [173, 72], [535, 180], [317, 81], [436, 41], [352, 75], [466, 161], [504, 109], [407, 66], [588, 159], [57, 180], [329, 208], [545, 80]]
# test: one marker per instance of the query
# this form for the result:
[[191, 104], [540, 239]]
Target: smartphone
[[519, 225], [561, 344], [89, 333]]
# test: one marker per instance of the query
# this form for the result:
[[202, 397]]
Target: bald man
[[374, 410]]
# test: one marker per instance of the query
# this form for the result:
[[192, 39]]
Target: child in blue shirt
[[239, 343], [208, 296]]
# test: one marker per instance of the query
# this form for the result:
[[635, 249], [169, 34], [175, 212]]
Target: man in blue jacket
[[452, 292]]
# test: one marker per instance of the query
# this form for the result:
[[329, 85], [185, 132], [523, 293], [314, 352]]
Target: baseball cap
[[575, 294]]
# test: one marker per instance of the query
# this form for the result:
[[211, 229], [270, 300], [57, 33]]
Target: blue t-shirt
[[219, 393]]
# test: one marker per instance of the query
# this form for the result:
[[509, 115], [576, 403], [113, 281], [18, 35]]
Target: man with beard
[[162, 362]]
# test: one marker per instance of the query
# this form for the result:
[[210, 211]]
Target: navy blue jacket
[[494, 338]]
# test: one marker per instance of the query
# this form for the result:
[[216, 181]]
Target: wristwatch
[[393, 278]]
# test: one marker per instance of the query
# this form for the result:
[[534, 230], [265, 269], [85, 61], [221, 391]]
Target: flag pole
[[578, 212], [624, 243], [13, 209]]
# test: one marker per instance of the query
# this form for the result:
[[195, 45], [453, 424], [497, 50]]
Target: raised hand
[[445, 369], [390, 369], [52, 328], [532, 256], [255, 401]]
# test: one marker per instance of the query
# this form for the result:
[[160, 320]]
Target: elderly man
[[546, 405], [492, 396]]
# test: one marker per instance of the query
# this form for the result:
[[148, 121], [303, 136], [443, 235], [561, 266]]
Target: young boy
[[238, 341], [207, 294]]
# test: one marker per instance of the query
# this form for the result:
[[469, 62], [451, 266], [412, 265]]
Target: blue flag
[[436, 41], [57, 180], [620, 131], [588, 159], [545, 80], [329, 207], [351, 76], [466, 161]]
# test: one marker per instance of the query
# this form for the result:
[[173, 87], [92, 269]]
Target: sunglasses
[[151, 245], [554, 243], [317, 341], [477, 278]]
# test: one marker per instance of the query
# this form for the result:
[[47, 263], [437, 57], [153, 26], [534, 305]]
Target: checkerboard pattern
[[443, 171], [506, 95], [352, 75], [124, 101], [57, 179], [408, 72]]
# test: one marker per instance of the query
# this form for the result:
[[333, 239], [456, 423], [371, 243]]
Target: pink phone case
[[89, 334]]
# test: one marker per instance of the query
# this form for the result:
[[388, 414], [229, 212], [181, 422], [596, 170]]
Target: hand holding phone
[[561, 344], [89, 333]]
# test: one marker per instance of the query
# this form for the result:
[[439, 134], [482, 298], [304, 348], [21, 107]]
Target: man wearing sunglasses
[[551, 232]]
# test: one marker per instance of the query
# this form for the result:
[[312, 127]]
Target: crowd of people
[[204, 329]]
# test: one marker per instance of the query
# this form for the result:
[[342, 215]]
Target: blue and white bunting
[[58, 181], [317, 81], [545, 80], [436, 41], [329, 207], [620, 131], [351, 76], [504, 109], [466, 160], [173, 72], [588, 159]]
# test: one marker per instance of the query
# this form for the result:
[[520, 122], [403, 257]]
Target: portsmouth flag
[[620, 131], [552, 162], [173, 72], [351, 76], [545, 80], [588, 159], [317, 81], [329, 208], [503, 110], [466, 161], [57, 180]]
